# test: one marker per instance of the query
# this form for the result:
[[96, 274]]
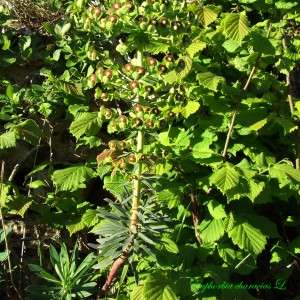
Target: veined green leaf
[[75, 225], [262, 44], [210, 80], [216, 209], [202, 150], [90, 218], [288, 125], [284, 171], [21, 205], [88, 123], [158, 287], [205, 15], [225, 178], [169, 245], [285, 5], [137, 293], [190, 108], [260, 124], [236, 26], [226, 253], [8, 140], [72, 178], [211, 230], [29, 131], [195, 47], [247, 237]]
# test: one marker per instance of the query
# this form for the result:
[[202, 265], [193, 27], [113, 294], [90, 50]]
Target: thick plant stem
[[238, 103], [119, 262]]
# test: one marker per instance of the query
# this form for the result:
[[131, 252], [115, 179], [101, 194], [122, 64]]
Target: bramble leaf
[[71, 178], [225, 178], [158, 287], [236, 26], [205, 15], [210, 80], [8, 140], [211, 230], [246, 236], [87, 123], [29, 131]]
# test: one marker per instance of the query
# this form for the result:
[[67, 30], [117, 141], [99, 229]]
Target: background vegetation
[[150, 149]]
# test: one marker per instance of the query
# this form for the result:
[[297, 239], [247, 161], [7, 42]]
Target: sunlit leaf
[[236, 26], [88, 123], [8, 140], [195, 47], [216, 209], [158, 287], [225, 178], [247, 237], [29, 131], [211, 230], [210, 80], [71, 178], [205, 15]]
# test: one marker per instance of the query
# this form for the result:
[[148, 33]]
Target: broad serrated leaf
[[155, 47], [158, 287], [283, 171], [190, 108], [137, 293], [71, 178], [216, 209], [202, 149], [288, 125], [75, 226], [210, 80], [74, 89], [225, 178], [29, 131], [226, 253], [211, 230], [8, 140], [169, 245], [231, 45], [236, 26], [247, 237], [90, 218], [195, 47], [262, 44], [285, 5], [21, 205], [46, 109], [205, 15], [87, 123]]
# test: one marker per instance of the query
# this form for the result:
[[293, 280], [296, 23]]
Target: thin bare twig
[[238, 103], [196, 211], [292, 109], [5, 236]]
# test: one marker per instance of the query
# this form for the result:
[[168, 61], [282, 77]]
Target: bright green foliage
[[201, 124]]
